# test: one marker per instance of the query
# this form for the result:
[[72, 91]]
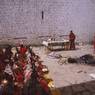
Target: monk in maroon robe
[[94, 43], [72, 38]]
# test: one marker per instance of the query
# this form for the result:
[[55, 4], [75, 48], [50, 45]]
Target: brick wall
[[35, 18]]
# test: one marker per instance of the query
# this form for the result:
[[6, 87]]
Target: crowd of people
[[21, 72]]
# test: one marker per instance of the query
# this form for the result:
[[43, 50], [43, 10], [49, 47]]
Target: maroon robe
[[72, 40]]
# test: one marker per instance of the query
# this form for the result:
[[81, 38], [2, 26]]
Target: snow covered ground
[[67, 74]]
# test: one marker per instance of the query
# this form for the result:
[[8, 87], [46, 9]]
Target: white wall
[[22, 18]]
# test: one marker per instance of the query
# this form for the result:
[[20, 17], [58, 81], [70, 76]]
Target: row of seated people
[[21, 72]]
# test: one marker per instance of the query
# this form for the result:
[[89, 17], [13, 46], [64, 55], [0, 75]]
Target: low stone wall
[[87, 88]]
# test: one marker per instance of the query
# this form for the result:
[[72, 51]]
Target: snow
[[67, 74]]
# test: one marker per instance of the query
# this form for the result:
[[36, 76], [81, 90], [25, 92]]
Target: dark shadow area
[[59, 49], [85, 59], [86, 88], [62, 49]]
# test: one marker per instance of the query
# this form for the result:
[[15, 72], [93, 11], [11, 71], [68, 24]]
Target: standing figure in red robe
[[94, 43], [23, 49], [72, 38]]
